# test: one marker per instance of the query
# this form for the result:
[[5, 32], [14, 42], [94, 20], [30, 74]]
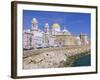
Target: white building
[[35, 38], [27, 37]]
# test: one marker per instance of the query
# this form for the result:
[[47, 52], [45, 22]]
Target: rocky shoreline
[[71, 59], [45, 60], [61, 57]]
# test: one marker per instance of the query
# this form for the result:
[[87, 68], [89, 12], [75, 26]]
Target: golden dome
[[56, 26]]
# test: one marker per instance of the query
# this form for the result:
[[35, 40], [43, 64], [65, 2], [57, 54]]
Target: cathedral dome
[[56, 26], [66, 31]]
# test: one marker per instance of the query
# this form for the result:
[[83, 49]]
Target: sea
[[82, 61]]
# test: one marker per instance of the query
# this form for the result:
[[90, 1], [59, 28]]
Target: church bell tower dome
[[34, 24], [34, 21]]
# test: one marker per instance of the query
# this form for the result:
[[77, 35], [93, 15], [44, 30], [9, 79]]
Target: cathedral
[[36, 38]]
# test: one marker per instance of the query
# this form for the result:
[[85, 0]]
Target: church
[[36, 38]]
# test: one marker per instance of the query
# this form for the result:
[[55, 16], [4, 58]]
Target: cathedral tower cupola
[[34, 24], [84, 38], [46, 27]]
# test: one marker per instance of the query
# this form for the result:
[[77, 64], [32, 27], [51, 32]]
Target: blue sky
[[74, 22]]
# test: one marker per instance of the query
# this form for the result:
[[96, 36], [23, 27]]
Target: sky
[[74, 22]]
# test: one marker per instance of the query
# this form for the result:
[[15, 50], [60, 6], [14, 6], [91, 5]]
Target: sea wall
[[71, 59], [53, 57]]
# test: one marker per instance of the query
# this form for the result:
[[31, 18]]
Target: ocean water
[[82, 61]]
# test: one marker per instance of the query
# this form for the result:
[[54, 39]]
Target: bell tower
[[47, 28], [84, 39], [34, 24]]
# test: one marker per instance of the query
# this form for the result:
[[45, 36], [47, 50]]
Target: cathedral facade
[[35, 38]]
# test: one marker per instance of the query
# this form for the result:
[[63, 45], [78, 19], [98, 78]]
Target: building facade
[[55, 37]]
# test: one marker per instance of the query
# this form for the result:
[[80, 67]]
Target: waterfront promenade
[[51, 57]]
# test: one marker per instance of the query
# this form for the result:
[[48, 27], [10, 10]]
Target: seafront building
[[35, 38]]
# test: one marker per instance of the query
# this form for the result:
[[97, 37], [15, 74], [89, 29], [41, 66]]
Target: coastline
[[72, 59], [54, 57]]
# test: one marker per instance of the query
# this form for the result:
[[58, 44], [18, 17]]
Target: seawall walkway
[[69, 50], [51, 57]]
